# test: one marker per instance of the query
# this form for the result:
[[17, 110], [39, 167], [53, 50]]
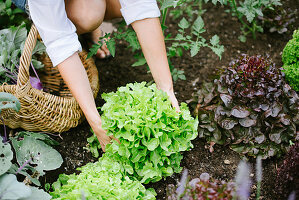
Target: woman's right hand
[[102, 136]]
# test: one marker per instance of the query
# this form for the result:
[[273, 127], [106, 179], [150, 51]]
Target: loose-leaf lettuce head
[[104, 179], [151, 132]]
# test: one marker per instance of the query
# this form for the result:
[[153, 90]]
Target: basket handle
[[25, 60]]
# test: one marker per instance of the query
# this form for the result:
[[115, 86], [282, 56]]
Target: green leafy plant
[[290, 57], [8, 101], [279, 19], [249, 107], [189, 8], [34, 155], [203, 188], [10, 15], [12, 42], [104, 179], [248, 13], [151, 132], [188, 38], [287, 174], [10, 187]]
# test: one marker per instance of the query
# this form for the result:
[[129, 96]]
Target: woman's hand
[[102, 136], [173, 99], [151, 39]]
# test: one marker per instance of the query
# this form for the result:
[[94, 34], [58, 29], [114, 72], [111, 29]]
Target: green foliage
[[8, 100], [104, 179], [151, 132], [250, 107], [11, 188], [6, 156], [189, 7], [34, 156], [250, 10], [290, 58], [11, 15], [279, 19], [188, 38], [32, 149], [204, 188], [12, 42]]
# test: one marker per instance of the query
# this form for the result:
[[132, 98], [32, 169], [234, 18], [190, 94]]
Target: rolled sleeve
[[133, 10], [56, 30]]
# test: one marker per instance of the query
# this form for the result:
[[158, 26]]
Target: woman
[[59, 22]]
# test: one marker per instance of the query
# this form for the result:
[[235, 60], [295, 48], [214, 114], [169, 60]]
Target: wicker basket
[[42, 111]]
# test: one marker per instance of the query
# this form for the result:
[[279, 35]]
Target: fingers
[[175, 104], [103, 52], [106, 50], [114, 138]]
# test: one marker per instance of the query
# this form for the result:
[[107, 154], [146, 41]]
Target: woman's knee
[[112, 9], [86, 15]]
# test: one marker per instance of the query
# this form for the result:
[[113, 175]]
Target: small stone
[[227, 162], [251, 175]]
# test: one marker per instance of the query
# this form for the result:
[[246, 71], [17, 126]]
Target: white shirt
[[59, 33]]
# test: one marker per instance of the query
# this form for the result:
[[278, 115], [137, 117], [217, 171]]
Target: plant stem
[[164, 14], [258, 190], [5, 134], [233, 2], [25, 163], [253, 30], [34, 71]]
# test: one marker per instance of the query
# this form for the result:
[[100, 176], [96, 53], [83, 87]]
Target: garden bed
[[115, 72]]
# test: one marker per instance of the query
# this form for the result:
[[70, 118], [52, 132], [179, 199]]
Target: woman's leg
[[87, 16]]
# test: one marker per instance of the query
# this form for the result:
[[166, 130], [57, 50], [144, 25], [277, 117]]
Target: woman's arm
[[151, 39]]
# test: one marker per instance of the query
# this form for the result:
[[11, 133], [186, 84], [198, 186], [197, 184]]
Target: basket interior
[[52, 80]]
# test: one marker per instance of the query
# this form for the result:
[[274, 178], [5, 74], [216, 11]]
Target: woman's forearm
[[75, 76], [151, 39]]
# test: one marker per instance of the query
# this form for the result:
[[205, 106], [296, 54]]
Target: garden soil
[[116, 72]]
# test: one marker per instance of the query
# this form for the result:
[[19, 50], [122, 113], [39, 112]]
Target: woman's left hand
[[173, 99]]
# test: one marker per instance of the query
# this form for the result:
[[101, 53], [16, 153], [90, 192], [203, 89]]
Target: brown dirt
[[118, 72]]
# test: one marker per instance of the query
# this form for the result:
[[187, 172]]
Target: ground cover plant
[[152, 134], [250, 107], [290, 58], [104, 179]]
